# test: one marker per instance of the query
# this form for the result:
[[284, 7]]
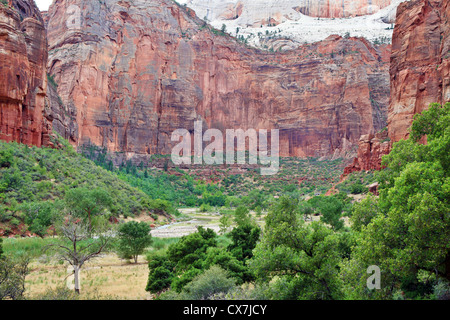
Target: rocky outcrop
[[420, 64], [269, 24], [371, 149], [265, 12], [135, 71], [23, 80]]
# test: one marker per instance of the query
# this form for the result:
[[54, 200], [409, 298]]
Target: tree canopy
[[134, 238], [408, 232]]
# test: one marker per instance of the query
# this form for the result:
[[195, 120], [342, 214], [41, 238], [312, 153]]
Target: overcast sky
[[43, 4]]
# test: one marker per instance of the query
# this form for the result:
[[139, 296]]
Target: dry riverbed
[[180, 229]]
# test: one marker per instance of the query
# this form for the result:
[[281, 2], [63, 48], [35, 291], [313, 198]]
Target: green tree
[[245, 238], [39, 216], [6, 158], [242, 216], [331, 210], [256, 199], [302, 258], [161, 272], [161, 207], [190, 251], [411, 236], [88, 203], [225, 259], [216, 200], [364, 212], [225, 223], [306, 210], [134, 238]]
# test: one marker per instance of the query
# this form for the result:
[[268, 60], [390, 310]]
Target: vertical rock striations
[[264, 12], [23, 80], [341, 8], [132, 72], [419, 72], [420, 63]]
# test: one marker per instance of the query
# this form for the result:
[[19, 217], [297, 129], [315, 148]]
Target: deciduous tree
[[87, 203], [82, 243], [304, 258], [134, 238], [411, 235]]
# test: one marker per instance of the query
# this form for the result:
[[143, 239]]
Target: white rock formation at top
[[282, 24]]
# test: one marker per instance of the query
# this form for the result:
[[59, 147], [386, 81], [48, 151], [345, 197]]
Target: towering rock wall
[[420, 63], [135, 71], [23, 80], [263, 12], [419, 72]]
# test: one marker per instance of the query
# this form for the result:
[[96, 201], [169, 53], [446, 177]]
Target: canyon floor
[[109, 277]]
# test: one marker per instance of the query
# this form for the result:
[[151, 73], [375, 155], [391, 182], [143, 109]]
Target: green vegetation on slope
[[38, 179], [191, 188]]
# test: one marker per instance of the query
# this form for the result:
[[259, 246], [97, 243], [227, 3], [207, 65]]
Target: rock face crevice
[[133, 72], [23, 80]]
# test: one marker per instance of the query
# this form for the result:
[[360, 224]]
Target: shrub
[[14, 222], [205, 208], [162, 207], [58, 294], [161, 272], [358, 188], [213, 281], [39, 216]]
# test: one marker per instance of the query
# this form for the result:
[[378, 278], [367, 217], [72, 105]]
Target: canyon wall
[[341, 8], [23, 80], [419, 72], [264, 12], [420, 62], [289, 23], [371, 149], [133, 72]]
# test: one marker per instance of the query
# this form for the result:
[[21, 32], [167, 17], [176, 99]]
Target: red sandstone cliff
[[23, 80], [419, 72], [133, 73], [371, 149], [420, 62]]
